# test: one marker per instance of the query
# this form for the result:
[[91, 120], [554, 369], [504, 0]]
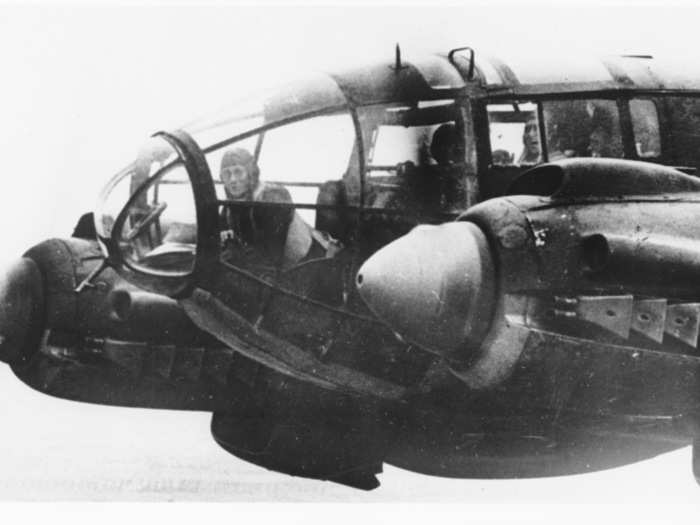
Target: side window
[[645, 125], [684, 130], [415, 157], [582, 128], [514, 134], [394, 144], [572, 128]]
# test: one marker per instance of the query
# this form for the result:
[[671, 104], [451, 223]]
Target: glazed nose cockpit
[[291, 176], [245, 181], [258, 218]]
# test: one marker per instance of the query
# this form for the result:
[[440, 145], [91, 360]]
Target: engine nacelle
[[589, 249]]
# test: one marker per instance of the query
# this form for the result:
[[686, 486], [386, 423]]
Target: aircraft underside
[[347, 440]]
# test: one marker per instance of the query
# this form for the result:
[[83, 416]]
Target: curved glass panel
[[154, 155], [311, 94], [158, 230]]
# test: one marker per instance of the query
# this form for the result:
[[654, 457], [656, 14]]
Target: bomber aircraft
[[454, 264]]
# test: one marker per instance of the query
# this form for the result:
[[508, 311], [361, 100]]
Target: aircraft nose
[[434, 286], [21, 300]]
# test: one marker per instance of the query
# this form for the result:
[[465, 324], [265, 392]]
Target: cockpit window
[[274, 159], [572, 128], [298, 157], [304, 155], [279, 162], [274, 185]]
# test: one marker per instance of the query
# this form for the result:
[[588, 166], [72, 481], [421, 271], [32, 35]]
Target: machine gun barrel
[[144, 309]]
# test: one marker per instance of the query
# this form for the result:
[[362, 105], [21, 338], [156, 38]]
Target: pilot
[[277, 233], [531, 143]]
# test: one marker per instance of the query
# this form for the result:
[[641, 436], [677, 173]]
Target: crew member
[[531, 143], [448, 149], [447, 146], [277, 233], [602, 143]]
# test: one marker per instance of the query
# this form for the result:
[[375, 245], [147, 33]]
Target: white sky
[[83, 87]]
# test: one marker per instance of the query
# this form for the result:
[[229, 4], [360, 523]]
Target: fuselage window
[[645, 125], [572, 128], [582, 128], [683, 123], [415, 158], [514, 134]]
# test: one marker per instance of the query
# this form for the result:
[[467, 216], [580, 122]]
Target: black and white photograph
[[396, 253]]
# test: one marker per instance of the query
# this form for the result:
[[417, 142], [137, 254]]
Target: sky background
[[82, 88]]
